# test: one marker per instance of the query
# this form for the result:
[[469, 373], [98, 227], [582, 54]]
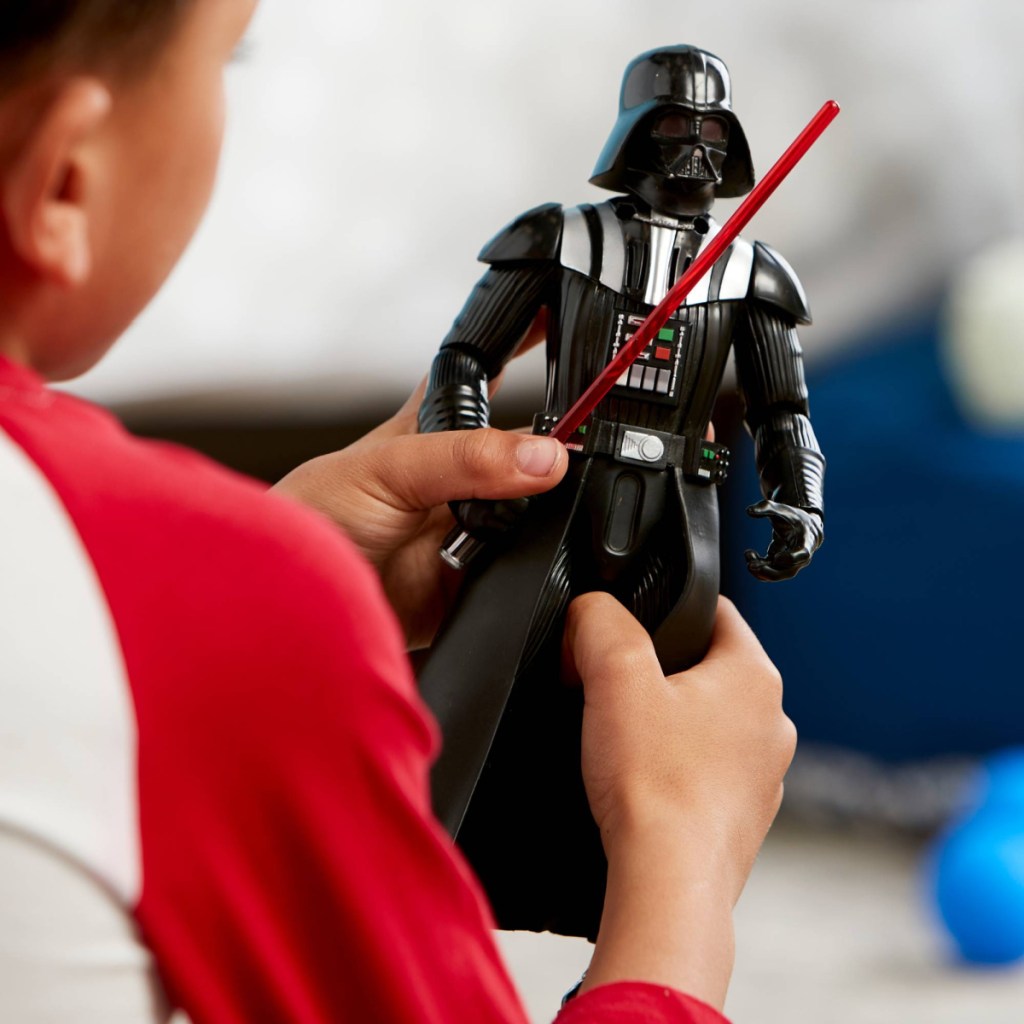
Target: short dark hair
[[37, 36]]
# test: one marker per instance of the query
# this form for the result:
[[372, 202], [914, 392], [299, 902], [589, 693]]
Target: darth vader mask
[[680, 146]]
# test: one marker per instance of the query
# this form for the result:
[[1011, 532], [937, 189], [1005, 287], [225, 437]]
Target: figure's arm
[[493, 322], [769, 364], [483, 338]]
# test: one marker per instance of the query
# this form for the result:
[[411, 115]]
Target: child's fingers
[[607, 645], [732, 632], [421, 471]]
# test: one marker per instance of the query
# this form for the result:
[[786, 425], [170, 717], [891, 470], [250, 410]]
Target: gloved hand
[[796, 534]]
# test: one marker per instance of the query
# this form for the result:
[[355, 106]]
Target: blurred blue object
[[1003, 783], [975, 871], [902, 640]]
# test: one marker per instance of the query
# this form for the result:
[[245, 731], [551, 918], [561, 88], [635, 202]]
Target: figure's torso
[[613, 270]]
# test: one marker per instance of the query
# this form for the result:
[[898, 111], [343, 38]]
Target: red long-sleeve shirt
[[209, 725]]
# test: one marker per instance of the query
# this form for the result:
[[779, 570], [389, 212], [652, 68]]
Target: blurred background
[[374, 148]]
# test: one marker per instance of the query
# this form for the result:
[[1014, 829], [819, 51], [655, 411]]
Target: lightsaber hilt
[[460, 547]]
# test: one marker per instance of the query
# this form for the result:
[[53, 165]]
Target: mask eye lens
[[713, 129], [673, 126]]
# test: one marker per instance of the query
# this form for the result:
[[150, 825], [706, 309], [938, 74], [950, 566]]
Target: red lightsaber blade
[[705, 260]]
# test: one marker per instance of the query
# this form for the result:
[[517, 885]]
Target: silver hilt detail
[[460, 548]]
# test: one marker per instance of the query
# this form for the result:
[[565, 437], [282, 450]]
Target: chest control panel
[[655, 374]]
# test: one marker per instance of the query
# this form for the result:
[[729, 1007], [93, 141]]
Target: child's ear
[[46, 186]]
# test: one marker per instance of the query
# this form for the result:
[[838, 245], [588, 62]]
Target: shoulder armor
[[535, 235], [775, 282]]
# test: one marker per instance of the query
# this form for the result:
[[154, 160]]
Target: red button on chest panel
[[656, 370]]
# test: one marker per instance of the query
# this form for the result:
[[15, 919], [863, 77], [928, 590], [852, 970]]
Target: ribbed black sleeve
[[769, 364], [483, 338]]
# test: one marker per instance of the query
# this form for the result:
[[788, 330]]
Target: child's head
[[111, 34], [111, 118]]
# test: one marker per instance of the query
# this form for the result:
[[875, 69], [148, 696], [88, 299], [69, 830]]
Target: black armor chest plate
[[612, 273]]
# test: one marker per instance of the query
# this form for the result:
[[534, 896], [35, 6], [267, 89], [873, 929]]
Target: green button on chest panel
[[655, 374]]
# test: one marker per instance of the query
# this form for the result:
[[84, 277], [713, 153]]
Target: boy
[[212, 762]]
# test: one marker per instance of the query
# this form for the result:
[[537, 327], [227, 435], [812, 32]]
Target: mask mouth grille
[[698, 166], [690, 162]]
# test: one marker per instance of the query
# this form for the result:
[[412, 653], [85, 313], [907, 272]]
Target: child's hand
[[684, 776], [702, 752], [389, 492]]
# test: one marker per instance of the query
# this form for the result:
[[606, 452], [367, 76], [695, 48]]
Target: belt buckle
[[642, 447]]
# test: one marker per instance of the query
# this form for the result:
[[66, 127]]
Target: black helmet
[[675, 78]]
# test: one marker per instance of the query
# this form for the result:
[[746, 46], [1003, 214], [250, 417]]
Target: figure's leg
[[653, 543], [625, 506], [683, 633], [658, 585], [529, 833]]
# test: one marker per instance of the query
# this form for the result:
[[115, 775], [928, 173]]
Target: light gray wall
[[374, 147]]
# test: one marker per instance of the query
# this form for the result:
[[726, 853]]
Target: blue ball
[[1002, 780], [977, 871]]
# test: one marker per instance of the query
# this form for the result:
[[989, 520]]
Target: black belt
[[701, 460]]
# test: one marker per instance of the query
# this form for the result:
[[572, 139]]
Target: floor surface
[[832, 929]]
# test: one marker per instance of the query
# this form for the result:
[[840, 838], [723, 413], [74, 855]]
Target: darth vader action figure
[[637, 513]]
